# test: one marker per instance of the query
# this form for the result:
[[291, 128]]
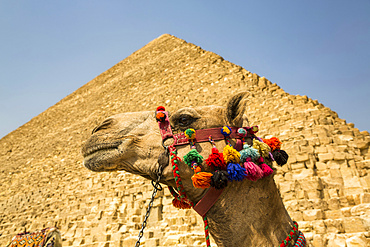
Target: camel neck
[[237, 220]]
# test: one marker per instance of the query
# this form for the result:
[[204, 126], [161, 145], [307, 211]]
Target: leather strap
[[208, 200], [202, 135]]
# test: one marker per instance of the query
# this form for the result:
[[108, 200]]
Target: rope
[[301, 241], [180, 199]]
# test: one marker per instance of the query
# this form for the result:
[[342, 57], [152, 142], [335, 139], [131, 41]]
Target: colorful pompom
[[160, 117], [193, 156], [253, 130], [219, 179], [249, 152], [238, 145], [226, 131], [161, 108], [262, 148], [267, 171], [280, 156], [231, 155], [216, 160], [202, 179], [236, 172], [274, 143], [242, 132], [253, 171], [190, 134]]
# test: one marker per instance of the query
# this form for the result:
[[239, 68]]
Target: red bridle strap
[[207, 201], [203, 135]]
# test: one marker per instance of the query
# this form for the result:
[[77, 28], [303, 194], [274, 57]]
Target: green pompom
[[193, 156]]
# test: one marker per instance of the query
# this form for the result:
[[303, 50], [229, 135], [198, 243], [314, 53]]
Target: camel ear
[[235, 110]]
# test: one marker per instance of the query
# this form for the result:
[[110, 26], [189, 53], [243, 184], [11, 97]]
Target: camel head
[[249, 212], [132, 141]]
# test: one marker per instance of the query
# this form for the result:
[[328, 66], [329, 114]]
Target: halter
[[211, 196]]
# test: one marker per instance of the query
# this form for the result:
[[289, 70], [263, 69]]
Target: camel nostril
[[104, 125]]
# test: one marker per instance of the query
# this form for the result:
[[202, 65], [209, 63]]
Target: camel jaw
[[107, 156]]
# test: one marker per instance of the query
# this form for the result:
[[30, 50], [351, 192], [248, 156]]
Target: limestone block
[[339, 156], [321, 150], [318, 240], [297, 166], [335, 173], [350, 191], [357, 241], [311, 215], [362, 209], [354, 224], [336, 240], [325, 157], [296, 215], [300, 157], [363, 164], [152, 242], [313, 194], [334, 203], [352, 182], [129, 241], [362, 144], [311, 183], [333, 214], [171, 240], [334, 225], [319, 227], [365, 198], [321, 165]]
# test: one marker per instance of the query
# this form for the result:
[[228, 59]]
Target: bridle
[[211, 196]]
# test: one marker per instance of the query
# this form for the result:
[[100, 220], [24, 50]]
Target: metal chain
[[157, 187]]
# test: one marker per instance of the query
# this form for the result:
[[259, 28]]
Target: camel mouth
[[100, 157], [99, 148]]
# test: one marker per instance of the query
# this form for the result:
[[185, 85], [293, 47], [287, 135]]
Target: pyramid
[[325, 185]]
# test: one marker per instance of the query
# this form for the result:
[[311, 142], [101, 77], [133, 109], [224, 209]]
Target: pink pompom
[[253, 171], [267, 171]]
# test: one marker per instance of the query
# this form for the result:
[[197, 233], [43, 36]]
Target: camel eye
[[185, 120]]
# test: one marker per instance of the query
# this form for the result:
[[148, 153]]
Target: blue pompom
[[236, 172], [226, 131], [249, 152]]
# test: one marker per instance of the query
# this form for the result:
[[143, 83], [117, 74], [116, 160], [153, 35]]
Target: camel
[[247, 213], [48, 237]]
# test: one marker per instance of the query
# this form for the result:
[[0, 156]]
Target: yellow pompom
[[231, 155], [190, 134], [262, 148]]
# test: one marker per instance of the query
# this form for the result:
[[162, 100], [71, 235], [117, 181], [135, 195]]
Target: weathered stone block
[[318, 240], [336, 240], [334, 225], [325, 157], [353, 224], [357, 241], [311, 215], [319, 227]]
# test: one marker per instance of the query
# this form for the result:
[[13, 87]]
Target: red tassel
[[180, 204], [216, 160]]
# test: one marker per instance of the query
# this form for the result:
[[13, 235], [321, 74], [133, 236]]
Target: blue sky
[[48, 49]]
